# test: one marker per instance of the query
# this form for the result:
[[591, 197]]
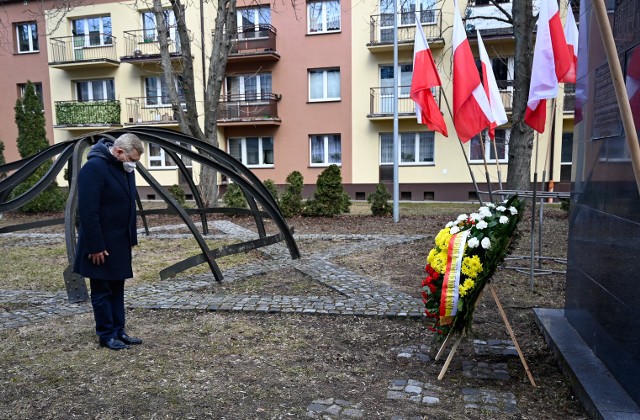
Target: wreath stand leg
[[511, 334], [443, 346], [445, 367]]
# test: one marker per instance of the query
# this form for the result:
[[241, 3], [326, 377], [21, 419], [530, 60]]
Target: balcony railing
[[382, 26], [144, 43], [83, 48], [254, 39], [76, 113], [150, 110], [237, 108], [381, 101]]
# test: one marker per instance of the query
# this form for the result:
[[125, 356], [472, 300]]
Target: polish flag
[[551, 62], [471, 109], [491, 89], [425, 76], [571, 34]]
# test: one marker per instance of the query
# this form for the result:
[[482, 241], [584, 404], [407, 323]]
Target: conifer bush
[[272, 188], [178, 194], [379, 200], [291, 201], [234, 197], [329, 198]]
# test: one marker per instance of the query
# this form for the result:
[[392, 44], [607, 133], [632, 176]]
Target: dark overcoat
[[107, 210]]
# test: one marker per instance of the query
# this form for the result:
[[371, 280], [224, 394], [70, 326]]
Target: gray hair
[[128, 142]]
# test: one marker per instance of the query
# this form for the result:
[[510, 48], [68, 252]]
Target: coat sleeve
[[91, 183]]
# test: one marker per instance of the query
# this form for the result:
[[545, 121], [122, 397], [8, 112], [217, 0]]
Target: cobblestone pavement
[[358, 295]]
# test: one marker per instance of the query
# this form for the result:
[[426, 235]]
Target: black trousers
[[107, 299]]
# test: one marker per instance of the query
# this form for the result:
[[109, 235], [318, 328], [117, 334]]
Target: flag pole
[[618, 83], [396, 146], [473, 178], [495, 152], [533, 211], [484, 159]]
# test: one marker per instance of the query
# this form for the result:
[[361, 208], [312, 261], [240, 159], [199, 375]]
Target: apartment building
[[307, 85]]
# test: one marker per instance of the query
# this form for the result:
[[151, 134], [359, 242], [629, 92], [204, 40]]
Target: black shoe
[[114, 344], [130, 340]]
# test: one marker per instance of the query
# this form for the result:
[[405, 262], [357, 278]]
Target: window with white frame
[[253, 152], [415, 148], [27, 37], [324, 85], [249, 20], [407, 10], [95, 90], [150, 25], [249, 87], [92, 32], [157, 91], [483, 146], [323, 16], [405, 72], [325, 149], [159, 159]]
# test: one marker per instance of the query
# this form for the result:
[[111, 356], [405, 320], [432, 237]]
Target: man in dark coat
[[107, 210]]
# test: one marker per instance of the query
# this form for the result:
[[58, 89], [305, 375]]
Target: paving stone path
[[356, 295]]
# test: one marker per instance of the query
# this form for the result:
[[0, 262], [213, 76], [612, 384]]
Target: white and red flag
[[491, 89], [551, 63], [571, 35], [425, 76], [471, 110]]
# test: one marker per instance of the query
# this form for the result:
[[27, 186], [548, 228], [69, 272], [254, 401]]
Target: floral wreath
[[466, 254]]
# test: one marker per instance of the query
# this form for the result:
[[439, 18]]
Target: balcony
[[143, 46], [381, 28], [254, 44], [243, 110], [381, 103], [76, 114], [83, 51], [150, 110]]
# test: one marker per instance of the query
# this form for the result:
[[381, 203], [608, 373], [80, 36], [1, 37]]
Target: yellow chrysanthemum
[[431, 256], [471, 267], [442, 238], [439, 262], [466, 287]]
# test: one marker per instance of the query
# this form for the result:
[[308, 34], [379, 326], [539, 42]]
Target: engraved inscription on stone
[[606, 114], [625, 21]]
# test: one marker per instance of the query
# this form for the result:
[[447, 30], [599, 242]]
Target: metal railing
[[72, 113], [144, 43], [381, 101], [79, 48], [254, 39], [248, 107], [381, 26], [150, 110]]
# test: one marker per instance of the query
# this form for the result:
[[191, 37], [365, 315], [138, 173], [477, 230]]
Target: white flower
[[484, 212], [490, 205], [486, 243], [513, 210], [454, 230], [473, 243], [504, 220], [481, 225], [449, 224], [501, 208], [475, 217], [462, 218]]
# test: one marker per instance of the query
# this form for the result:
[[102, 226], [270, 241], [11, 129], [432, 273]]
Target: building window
[[249, 87], [36, 86], [405, 72], [415, 148], [95, 90], [150, 26], [323, 16], [92, 32], [253, 152], [324, 85], [325, 150], [566, 157], [157, 91], [27, 37], [158, 159], [407, 10], [250, 19], [478, 148]]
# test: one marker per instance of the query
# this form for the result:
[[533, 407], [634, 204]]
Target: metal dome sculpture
[[173, 143]]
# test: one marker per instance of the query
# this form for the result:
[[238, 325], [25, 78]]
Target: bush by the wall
[[178, 194], [329, 198], [291, 201], [379, 200], [234, 197], [272, 188]]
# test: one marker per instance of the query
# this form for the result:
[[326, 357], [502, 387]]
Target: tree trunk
[[521, 141]]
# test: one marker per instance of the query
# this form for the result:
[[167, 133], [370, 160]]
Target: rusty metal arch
[[261, 204]]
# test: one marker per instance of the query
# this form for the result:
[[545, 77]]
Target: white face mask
[[129, 166]]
